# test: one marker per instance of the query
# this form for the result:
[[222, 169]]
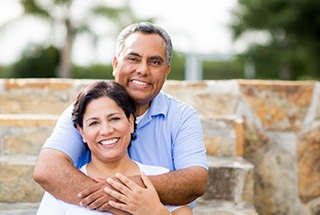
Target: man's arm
[[182, 186], [56, 174], [177, 187]]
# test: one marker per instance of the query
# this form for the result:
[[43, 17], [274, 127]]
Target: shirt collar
[[159, 105]]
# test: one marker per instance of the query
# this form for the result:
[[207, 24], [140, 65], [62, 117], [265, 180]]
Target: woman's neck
[[100, 169]]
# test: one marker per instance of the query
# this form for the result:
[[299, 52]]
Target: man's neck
[[141, 109]]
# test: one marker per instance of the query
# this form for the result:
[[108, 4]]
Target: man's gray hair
[[145, 28]]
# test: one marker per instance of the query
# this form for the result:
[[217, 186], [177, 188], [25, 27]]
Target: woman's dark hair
[[96, 90]]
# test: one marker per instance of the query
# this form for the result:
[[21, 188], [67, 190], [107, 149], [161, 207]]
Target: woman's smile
[[109, 141]]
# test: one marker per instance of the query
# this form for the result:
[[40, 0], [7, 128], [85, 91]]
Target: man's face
[[141, 66]]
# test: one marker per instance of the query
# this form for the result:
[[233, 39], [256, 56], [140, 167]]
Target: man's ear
[[168, 69], [114, 64], [131, 121]]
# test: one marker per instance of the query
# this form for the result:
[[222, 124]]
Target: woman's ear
[[82, 134]]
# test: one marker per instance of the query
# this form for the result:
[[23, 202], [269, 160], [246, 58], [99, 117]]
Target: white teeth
[[140, 83], [109, 142]]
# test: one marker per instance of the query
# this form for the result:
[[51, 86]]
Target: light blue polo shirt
[[169, 135]]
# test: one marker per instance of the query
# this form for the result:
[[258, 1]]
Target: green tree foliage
[[37, 62], [5, 72], [61, 14], [211, 70], [96, 71], [292, 50], [222, 70], [177, 66]]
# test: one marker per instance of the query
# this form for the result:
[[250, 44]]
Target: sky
[[195, 26]]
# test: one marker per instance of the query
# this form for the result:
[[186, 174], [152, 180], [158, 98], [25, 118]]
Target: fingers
[[125, 187], [146, 180], [94, 197], [124, 190], [89, 191], [98, 202], [98, 179], [118, 205]]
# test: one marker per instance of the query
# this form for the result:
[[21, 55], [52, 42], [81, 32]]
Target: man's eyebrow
[[134, 54], [157, 58]]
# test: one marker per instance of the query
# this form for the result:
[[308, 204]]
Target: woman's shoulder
[[151, 170]]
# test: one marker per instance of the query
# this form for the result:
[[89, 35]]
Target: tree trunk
[[286, 72], [64, 69]]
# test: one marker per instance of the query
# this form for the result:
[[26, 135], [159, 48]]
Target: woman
[[104, 115]]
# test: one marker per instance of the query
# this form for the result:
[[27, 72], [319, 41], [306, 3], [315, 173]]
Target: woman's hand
[[133, 198]]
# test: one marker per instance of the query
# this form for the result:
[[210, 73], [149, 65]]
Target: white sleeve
[[50, 206]]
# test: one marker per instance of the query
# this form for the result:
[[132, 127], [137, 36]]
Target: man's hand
[[95, 198]]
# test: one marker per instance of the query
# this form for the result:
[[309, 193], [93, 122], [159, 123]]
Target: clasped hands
[[121, 195]]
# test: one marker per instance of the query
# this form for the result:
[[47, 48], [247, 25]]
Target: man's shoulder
[[162, 96], [173, 103]]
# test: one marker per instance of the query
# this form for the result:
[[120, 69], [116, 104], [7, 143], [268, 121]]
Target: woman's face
[[106, 129]]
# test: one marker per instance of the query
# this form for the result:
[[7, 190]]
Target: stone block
[[24, 134], [231, 180], [20, 208], [280, 106], [209, 98], [16, 182], [309, 164], [35, 96], [223, 135], [221, 208]]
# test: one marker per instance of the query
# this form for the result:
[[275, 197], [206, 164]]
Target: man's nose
[[143, 68]]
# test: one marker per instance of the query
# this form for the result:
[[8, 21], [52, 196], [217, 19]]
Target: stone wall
[[281, 136], [274, 125]]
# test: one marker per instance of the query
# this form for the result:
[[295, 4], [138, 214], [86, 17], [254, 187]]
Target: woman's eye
[[115, 119], [93, 123]]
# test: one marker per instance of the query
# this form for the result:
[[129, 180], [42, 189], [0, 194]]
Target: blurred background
[[231, 39]]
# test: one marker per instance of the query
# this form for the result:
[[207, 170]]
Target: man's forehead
[[142, 37], [140, 44]]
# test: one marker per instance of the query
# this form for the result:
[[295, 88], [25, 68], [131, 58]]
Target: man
[[169, 132]]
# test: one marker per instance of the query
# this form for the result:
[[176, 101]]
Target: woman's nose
[[106, 128]]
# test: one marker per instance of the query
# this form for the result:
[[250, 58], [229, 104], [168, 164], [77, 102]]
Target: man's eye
[[155, 62], [132, 59]]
